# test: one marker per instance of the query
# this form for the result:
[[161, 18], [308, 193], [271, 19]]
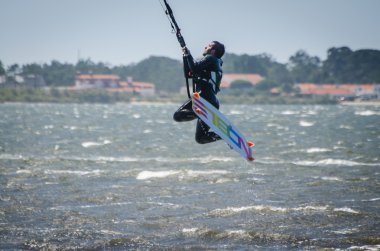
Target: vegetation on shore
[[341, 66], [54, 95]]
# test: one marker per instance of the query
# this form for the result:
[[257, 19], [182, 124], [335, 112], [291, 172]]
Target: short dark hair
[[219, 49]]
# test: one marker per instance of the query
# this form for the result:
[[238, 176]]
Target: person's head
[[214, 48]]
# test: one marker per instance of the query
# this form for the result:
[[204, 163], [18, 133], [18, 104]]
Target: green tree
[[2, 70], [58, 74], [241, 84], [305, 68], [165, 73], [337, 64], [32, 69], [266, 85]]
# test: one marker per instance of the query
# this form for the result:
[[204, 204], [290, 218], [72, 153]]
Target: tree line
[[342, 65]]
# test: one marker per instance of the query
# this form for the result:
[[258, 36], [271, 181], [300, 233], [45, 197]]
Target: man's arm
[[196, 66]]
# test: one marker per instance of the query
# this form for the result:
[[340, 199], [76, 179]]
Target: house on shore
[[340, 91], [113, 83], [88, 81]]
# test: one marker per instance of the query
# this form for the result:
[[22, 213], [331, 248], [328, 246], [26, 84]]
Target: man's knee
[[184, 116], [177, 117]]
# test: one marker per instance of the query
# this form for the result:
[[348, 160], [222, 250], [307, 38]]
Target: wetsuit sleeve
[[198, 66]]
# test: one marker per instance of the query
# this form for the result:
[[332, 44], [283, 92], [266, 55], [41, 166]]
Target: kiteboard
[[222, 126]]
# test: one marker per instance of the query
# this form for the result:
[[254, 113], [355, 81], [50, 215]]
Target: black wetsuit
[[207, 74]]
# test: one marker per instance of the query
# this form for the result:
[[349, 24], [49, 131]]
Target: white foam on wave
[[79, 173], [235, 112], [190, 230], [337, 162], [346, 231], [331, 179], [263, 208], [7, 156], [365, 247], [23, 171], [114, 159], [367, 113], [288, 112], [210, 159], [304, 123], [110, 232], [205, 173], [72, 128], [93, 144], [144, 175], [236, 234], [317, 150], [373, 199], [348, 127], [346, 210], [223, 212]]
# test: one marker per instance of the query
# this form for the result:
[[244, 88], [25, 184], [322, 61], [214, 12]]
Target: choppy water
[[126, 176]]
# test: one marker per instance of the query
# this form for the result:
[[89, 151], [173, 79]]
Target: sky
[[123, 32]]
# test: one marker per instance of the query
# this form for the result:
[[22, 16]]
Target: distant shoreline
[[361, 103]]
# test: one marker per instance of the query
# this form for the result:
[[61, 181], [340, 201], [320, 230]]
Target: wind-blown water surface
[[127, 176]]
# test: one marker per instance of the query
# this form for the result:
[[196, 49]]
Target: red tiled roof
[[333, 89], [97, 76]]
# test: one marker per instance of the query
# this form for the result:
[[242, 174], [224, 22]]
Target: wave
[[371, 200], [335, 162], [238, 234], [288, 112], [318, 150], [263, 208], [117, 204], [367, 113], [346, 210], [331, 179], [79, 173], [203, 160], [306, 123], [365, 247], [205, 173], [145, 175], [229, 211], [7, 156], [92, 144], [235, 112]]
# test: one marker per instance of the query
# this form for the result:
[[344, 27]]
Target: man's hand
[[185, 51]]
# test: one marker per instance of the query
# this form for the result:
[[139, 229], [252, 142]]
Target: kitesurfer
[[207, 74]]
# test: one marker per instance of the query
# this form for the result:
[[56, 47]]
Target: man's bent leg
[[203, 135], [185, 112]]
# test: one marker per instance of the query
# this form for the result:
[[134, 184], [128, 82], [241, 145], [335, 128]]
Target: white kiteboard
[[222, 126]]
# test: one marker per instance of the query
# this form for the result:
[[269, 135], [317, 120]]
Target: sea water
[[126, 176]]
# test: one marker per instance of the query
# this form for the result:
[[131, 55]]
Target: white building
[[86, 81]]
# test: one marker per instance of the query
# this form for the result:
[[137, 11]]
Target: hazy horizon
[[121, 32]]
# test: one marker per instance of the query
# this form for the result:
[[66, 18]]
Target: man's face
[[208, 49]]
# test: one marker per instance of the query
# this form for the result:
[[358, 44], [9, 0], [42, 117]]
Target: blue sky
[[127, 31]]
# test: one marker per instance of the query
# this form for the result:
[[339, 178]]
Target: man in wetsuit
[[207, 74]]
